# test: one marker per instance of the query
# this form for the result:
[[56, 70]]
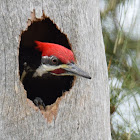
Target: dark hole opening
[[52, 87]]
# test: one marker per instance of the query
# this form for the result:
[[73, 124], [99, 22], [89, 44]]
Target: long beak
[[73, 69]]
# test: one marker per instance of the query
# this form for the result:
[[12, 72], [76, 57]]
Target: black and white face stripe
[[52, 60], [49, 64]]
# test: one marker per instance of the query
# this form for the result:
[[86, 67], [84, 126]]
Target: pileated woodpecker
[[46, 81]]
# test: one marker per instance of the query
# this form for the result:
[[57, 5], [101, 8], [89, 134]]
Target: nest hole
[[52, 87]]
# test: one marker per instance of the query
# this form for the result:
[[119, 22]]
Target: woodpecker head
[[57, 60]]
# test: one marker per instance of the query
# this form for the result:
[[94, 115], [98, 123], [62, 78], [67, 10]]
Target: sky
[[128, 17]]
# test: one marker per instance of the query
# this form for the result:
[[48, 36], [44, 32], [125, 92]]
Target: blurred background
[[121, 33]]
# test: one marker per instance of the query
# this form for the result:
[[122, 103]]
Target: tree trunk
[[84, 112]]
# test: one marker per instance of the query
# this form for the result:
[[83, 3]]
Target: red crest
[[48, 49]]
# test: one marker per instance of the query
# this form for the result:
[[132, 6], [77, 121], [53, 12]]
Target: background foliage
[[121, 32]]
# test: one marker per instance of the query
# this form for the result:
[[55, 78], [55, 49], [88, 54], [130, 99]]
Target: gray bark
[[83, 113]]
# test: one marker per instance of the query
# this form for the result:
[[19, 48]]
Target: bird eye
[[54, 61]]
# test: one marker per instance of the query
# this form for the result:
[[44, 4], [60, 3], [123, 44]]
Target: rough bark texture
[[83, 113]]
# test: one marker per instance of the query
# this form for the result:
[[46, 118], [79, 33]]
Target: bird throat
[[48, 87]]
